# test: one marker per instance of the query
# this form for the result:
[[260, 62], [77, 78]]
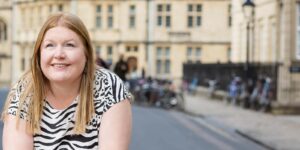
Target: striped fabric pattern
[[57, 125]]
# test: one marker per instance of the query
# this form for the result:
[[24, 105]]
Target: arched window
[[3, 31]]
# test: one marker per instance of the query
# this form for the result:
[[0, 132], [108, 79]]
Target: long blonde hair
[[37, 81]]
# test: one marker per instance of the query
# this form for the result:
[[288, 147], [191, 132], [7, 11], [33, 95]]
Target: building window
[[3, 31], [229, 16], [109, 54], [229, 53], [98, 50], [60, 7], [133, 48], [23, 64], [164, 15], [110, 19], [98, 21], [132, 16], [98, 16], [159, 21], [193, 54], [298, 31], [194, 15], [50, 8], [158, 66], [163, 62]]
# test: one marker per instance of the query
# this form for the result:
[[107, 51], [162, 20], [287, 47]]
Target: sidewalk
[[276, 132]]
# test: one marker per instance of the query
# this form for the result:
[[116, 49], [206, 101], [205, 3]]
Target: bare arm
[[115, 129], [16, 139]]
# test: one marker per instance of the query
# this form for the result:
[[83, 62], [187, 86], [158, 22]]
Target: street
[[158, 129]]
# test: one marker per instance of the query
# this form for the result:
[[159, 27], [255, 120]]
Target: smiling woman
[[65, 101]]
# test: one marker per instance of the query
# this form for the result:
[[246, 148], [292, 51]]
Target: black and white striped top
[[57, 125]]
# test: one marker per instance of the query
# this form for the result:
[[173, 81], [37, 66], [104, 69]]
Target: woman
[[65, 102]]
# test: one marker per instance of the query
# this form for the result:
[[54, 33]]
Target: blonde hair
[[37, 81]]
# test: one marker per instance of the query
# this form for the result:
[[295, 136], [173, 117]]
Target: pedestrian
[[121, 68], [64, 101], [100, 62]]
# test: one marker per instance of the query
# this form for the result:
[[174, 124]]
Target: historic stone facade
[[274, 38], [5, 42], [159, 35]]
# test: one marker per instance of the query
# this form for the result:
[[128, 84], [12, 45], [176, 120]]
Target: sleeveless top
[[56, 125]]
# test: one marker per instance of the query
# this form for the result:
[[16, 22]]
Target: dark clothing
[[121, 69], [102, 63]]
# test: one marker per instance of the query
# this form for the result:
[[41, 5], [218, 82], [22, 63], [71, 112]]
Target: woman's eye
[[49, 45], [70, 45]]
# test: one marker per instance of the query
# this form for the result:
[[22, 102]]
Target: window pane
[[50, 8], [298, 14], [159, 8], [167, 66], [190, 21], [136, 48], [168, 21], [132, 21], [132, 9], [23, 64], [98, 9], [60, 7], [198, 52], [109, 50], [168, 8], [229, 53], [167, 52], [229, 21], [110, 21], [159, 20], [189, 52], [98, 22], [190, 7], [98, 50], [128, 48], [110, 8], [158, 66], [158, 52], [199, 20], [199, 8]]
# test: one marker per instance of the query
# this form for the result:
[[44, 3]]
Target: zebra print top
[[56, 125]]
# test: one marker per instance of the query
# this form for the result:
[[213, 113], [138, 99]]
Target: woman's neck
[[61, 95]]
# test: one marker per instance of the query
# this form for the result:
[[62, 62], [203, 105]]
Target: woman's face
[[62, 55]]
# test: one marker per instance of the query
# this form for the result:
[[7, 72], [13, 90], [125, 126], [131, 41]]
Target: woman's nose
[[59, 52]]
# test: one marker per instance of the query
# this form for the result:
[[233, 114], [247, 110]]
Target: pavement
[[276, 132]]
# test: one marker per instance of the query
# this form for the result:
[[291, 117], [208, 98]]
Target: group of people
[[256, 95]]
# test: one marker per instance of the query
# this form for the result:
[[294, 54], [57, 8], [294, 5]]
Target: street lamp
[[248, 10]]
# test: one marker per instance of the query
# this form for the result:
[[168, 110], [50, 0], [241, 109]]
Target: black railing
[[224, 73]]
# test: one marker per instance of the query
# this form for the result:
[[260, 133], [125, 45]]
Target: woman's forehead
[[60, 33]]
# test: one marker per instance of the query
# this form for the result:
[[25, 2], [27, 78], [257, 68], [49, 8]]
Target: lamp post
[[248, 10]]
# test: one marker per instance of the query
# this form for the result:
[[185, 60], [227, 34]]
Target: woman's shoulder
[[104, 73], [22, 84], [19, 96]]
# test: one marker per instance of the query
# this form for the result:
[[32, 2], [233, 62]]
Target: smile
[[60, 65]]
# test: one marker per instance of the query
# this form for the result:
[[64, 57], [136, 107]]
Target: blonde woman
[[65, 101]]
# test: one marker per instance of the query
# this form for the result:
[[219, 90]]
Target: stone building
[[158, 36], [274, 39], [5, 42]]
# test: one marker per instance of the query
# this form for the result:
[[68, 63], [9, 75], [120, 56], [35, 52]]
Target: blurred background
[[204, 74]]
